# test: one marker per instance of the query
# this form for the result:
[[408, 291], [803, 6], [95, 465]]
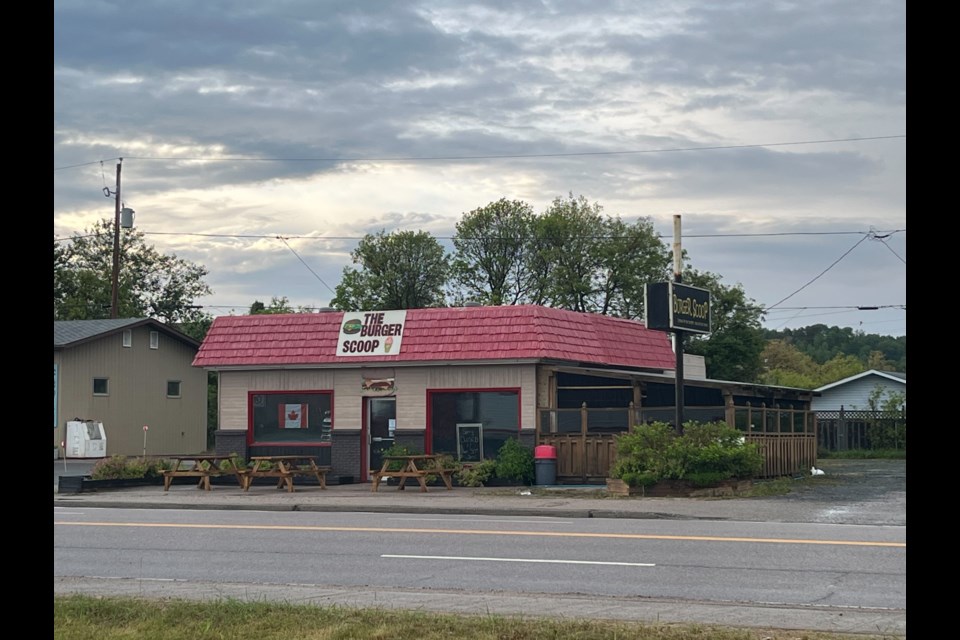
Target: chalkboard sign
[[470, 442]]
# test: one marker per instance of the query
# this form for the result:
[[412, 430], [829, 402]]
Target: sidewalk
[[869, 492]]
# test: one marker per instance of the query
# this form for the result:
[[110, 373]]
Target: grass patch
[[774, 487], [81, 617]]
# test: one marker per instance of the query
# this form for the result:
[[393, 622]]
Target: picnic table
[[202, 466], [284, 469], [417, 466]]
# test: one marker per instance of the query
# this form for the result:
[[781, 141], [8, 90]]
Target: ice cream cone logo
[[388, 344]]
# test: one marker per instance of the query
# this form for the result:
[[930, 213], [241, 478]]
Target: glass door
[[381, 424]]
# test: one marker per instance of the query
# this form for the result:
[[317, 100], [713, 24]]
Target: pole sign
[[671, 306], [371, 333]]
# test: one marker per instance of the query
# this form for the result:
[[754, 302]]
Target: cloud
[[335, 119]]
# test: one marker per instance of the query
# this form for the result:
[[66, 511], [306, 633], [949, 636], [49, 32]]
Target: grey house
[[853, 393], [127, 374]]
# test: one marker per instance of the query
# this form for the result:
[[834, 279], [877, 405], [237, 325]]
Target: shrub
[[476, 475], [515, 462], [239, 462], [642, 454], [704, 455], [396, 450], [121, 467]]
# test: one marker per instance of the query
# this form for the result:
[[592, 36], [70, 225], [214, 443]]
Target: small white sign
[[371, 333]]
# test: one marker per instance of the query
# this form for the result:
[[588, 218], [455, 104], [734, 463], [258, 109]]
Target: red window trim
[[267, 443]]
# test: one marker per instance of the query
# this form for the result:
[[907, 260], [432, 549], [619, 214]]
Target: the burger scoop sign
[[371, 333]]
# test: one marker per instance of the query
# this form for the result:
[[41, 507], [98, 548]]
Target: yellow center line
[[483, 532]]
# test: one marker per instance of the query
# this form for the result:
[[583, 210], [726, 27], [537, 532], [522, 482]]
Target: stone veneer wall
[[230, 441], [345, 454]]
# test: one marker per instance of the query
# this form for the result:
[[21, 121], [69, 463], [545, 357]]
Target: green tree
[[786, 366], [631, 256], [492, 248], [823, 343], [732, 350], [566, 261], [150, 284], [583, 260], [398, 270], [876, 360], [277, 305], [884, 399], [839, 367]]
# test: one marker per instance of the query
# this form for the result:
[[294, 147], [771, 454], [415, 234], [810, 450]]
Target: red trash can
[[545, 464]]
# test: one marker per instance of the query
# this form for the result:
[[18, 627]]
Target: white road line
[[546, 519], [534, 560]]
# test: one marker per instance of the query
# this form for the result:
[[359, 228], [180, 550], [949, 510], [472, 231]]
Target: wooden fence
[[845, 429], [586, 446]]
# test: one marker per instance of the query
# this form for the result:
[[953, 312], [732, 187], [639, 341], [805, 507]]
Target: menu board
[[470, 442]]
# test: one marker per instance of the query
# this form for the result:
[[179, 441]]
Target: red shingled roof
[[457, 334]]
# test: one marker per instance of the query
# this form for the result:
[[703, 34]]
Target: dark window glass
[[291, 417], [497, 411], [100, 386], [173, 388]]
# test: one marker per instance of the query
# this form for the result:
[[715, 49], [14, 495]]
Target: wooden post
[[583, 440]]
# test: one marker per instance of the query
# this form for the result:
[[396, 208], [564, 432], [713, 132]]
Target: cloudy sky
[[264, 139]]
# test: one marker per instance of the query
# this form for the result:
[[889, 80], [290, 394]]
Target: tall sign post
[[678, 333], [681, 309], [115, 276]]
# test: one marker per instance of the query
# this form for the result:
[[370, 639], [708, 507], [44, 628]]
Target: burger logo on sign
[[352, 326]]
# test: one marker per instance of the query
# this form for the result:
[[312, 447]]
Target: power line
[[284, 241], [494, 156], [822, 272], [483, 239]]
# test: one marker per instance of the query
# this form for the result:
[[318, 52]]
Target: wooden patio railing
[[586, 446]]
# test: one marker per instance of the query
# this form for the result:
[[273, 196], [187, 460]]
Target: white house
[[853, 393]]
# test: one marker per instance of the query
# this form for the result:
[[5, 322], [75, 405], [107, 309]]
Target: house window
[[127, 338], [154, 340], [497, 411], [303, 417], [173, 388], [100, 387]]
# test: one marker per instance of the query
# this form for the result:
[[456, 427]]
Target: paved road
[[861, 492]]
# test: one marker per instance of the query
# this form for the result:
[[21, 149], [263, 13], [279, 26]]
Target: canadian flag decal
[[293, 416]]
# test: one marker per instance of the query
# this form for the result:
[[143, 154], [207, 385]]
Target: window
[[497, 411], [127, 338], [100, 387], [154, 340], [295, 416], [173, 388]]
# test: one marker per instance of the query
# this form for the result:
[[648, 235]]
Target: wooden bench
[[200, 466], [285, 469], [409, 469]]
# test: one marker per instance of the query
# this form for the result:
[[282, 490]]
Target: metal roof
[[441, 335]]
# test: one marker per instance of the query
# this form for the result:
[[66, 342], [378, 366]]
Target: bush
[[706, 453], [239, 462], [642, 456], [396, 450], [476, 475], [122, 467], [515, 462]]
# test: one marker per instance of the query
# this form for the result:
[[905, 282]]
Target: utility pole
[[677, 333], [114, 304]]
